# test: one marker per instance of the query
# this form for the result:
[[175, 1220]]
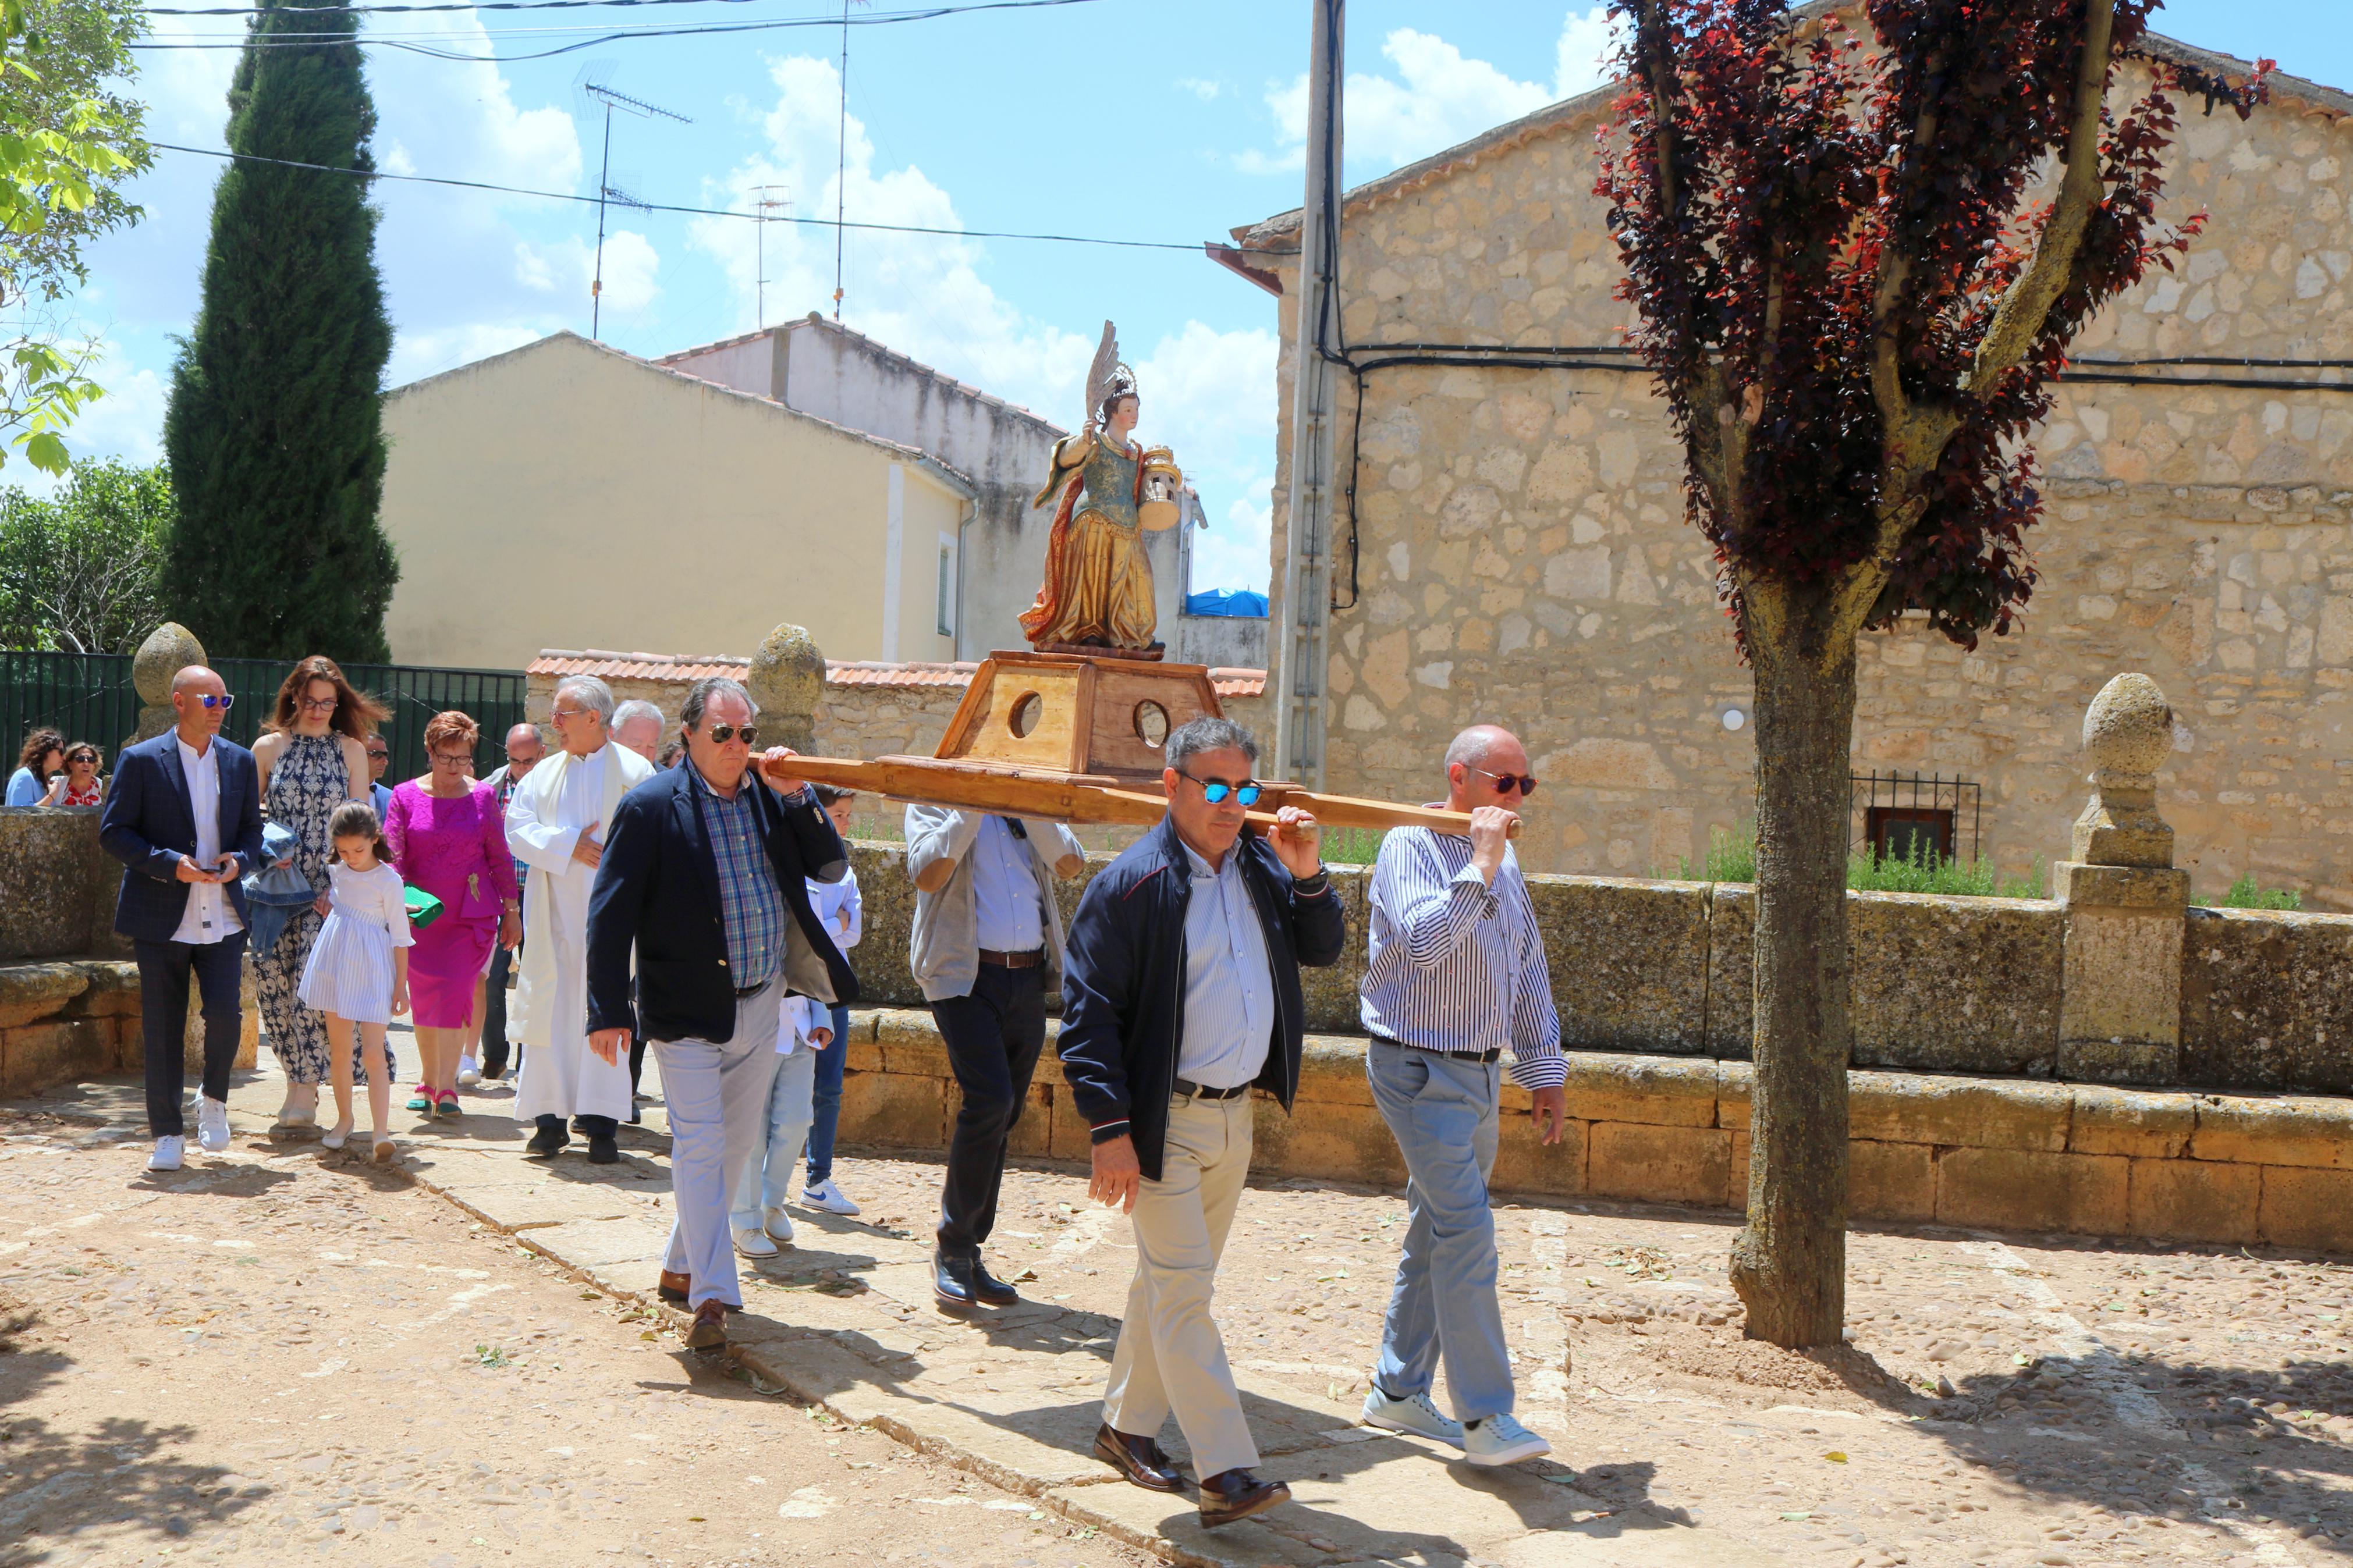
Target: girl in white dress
[[358, 969]]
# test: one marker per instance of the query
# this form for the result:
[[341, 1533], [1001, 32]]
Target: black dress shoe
[[952, 1282], [1238, 1494], [602, 1149], [550, 1139], [1138, 1459], [989, 1289]]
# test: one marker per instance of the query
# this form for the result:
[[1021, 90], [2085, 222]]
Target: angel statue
[[1097, 596]]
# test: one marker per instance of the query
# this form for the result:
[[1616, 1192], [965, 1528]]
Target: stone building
[[1521, 554]]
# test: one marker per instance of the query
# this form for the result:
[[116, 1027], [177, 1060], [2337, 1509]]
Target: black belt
[[744, 991], [1186, 1086], [1032, 959], [1485, 1056]]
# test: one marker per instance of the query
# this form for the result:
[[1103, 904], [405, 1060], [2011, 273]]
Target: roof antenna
[[605, 189]]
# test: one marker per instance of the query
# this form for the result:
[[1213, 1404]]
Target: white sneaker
[[778, 1223], [753, 1243], [470, 1072], [167, 1157], [826, 1198], [1501, 1440], [212, 1124], [1413, 1414]]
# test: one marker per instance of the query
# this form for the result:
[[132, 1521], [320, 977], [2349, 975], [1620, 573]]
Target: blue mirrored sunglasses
[[212, 701], [1215, 792]]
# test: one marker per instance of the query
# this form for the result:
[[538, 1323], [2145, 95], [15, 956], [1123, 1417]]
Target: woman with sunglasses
[[79, 784], [449, 836], [314, 758]]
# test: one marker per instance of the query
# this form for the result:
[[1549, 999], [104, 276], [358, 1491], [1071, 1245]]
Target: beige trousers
[[1171, 1357]]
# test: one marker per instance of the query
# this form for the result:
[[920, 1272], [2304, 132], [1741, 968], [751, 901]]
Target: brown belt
[[1030, 960]]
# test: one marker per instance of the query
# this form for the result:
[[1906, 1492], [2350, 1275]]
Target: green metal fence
[[91, 697]]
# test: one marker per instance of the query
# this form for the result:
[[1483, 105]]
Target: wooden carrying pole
[[1087, 797]]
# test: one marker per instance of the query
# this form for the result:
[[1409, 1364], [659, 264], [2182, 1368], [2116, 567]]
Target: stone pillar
[[2120, 1008], [787, 680], [169, 650]]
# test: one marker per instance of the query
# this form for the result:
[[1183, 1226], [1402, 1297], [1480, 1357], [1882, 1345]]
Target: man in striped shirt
[[1456, 976]]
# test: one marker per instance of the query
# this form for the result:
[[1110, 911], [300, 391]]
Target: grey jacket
[[944, 949]]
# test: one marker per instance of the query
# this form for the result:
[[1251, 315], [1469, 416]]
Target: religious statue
[[1097, 596]]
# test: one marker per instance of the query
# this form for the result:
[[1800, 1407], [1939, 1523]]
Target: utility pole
[[760, 249], [1301, 645], [605, 191], [841, 161]]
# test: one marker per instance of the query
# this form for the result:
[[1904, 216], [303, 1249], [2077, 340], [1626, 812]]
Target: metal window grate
[[1892, 816]]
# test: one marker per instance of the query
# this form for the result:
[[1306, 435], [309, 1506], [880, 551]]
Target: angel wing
[[1099, 373]]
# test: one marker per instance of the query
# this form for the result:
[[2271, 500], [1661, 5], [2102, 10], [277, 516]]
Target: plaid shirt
[[750, 906]]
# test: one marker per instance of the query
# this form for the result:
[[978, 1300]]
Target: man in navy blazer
[[705, 877], [184, 817]]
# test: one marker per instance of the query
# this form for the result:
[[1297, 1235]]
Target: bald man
[[1455, 976], [184, 818]]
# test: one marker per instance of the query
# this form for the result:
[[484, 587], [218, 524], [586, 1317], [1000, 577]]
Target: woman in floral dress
[[313, 759]]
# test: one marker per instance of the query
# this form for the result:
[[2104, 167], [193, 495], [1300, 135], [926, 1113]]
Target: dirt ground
[[285, 1356]]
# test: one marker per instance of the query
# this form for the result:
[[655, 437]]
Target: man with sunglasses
[[704, 879], [379, 756], [1455, 976], [1181, 996]]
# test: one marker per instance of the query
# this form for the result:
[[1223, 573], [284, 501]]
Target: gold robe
[[1098, 583]]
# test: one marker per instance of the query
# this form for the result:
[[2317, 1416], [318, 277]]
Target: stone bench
[[63, 1020]]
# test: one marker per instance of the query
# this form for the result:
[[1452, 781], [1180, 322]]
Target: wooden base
[[1093, 713], [1096, 651]]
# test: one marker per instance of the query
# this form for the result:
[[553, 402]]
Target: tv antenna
[[606, 192], [760, 248]]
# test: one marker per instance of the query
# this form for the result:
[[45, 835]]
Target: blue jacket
[[1123, 981], [274, 893], [656, 890], [147, 824]]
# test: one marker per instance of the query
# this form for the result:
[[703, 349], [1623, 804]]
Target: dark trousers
[[163, 970], [992, 1037], [825, 1099], [494, 1014]]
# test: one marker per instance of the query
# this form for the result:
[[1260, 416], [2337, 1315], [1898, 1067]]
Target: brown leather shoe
[[1138, 1459], [674, 1287], [709, 1330], [1238, 1494]]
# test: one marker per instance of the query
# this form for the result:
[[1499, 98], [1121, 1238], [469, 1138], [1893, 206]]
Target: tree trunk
[[1789, 1262]]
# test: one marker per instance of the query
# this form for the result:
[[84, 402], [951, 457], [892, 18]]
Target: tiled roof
[[608, 666]]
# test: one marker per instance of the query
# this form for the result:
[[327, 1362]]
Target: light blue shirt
[[24, 789], [1005, 891], [1228, 984]]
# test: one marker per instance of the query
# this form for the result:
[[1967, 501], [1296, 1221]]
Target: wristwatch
[[1311, 886]]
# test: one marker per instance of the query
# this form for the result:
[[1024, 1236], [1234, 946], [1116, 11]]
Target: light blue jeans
[[1443, 1113], [765, 1178]]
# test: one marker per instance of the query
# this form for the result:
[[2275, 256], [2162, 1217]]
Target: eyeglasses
[[452, 759], [224, 704], [1215, 791], [1506, 783], [558, 715], [308, 704], [723, 733]]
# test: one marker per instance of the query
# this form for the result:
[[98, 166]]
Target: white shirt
[[841, 907], [796, 1016], [208, 917], [1228, 981], [1006, 915]]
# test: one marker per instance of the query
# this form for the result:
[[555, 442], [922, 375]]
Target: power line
[[878, 18], [310, 40], [672, 207]]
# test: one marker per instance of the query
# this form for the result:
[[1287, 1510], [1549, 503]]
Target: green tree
[[273, 430], [82, 571], [69, 137]]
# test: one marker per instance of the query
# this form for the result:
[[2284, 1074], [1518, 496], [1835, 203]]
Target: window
[[1909, 833], [944, 622], [1915, 816]]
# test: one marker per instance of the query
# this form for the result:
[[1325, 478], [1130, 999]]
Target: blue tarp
[[1244, 602]]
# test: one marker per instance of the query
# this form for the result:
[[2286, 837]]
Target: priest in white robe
[[556, 824]]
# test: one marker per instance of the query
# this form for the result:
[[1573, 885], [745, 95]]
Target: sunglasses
[[723, 733], [1505, 783], [1215, 791], [223, 703]]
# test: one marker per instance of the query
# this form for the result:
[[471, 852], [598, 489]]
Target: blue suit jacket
[[147, 824]]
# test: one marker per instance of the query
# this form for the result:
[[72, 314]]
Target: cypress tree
[[273, 429]]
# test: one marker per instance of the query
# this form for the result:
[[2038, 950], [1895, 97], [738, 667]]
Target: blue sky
[[1120, 118]]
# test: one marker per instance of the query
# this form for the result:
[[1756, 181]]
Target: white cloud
[[1235, 552], [1437, 98], [1204, 91], [565, 269], [418, 355]]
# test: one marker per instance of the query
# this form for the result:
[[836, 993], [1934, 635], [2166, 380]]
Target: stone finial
[[787, 680], [2127, 731], [169, 650]]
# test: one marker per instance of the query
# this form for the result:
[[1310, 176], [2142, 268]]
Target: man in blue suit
[[184, 818]]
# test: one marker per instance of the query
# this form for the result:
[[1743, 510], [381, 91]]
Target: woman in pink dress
[[448, 837]]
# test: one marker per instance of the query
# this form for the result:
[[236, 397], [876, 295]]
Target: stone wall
[[1942, 984], [1524, 556], [57, 886], [2006, 1155]]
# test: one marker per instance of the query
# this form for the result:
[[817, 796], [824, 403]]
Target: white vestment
[[560, 799]]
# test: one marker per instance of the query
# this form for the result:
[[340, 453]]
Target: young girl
[[358, 968]]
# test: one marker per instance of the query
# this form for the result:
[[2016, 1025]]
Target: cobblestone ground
[[283, 1356], [281, 1350]]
